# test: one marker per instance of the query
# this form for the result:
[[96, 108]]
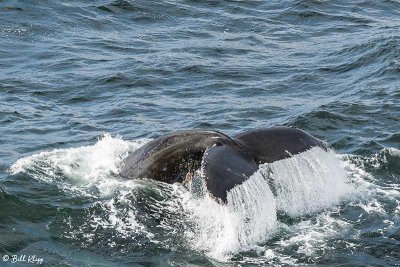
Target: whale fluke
[[169, 158], [224, 167], [224, 162], [273, 144]]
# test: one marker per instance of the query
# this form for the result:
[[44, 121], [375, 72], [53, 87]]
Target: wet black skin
[[273, 144], [169, 158], [225, 162]]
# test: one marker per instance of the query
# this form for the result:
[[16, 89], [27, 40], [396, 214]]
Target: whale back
[[169, 158]]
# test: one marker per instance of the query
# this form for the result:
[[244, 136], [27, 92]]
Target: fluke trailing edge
[[225, 162]]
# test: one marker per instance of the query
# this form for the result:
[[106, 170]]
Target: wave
[[84, 170], [306, 183], [286, 209]]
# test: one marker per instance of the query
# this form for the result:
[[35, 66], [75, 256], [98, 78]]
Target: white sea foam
[[309, 182], [309, 236], [306, 183], [312, 237], [90, 171], [247, 219], [373, 194], [85, 169]]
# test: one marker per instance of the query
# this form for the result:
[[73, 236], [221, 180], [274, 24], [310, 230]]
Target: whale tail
[[225, 162], [225, 167]]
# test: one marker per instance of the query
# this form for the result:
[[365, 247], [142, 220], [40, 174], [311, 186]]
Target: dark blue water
[[84, 83]]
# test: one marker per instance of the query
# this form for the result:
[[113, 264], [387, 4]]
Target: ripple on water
[[71, 71]]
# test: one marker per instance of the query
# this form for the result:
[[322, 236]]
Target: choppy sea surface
[[85, 83]]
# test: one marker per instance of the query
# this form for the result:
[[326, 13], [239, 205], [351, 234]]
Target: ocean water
[[85, 83]]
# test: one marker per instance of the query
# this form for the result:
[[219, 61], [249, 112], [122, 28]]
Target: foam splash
[[305, 183], [387, 158], [247, 219], [314, 236], [254, 202], [375, 193], [309, 182], [86, 169], [114, 215], [309, 237]]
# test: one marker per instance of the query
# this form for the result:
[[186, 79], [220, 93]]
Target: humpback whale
[[224, 161]]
